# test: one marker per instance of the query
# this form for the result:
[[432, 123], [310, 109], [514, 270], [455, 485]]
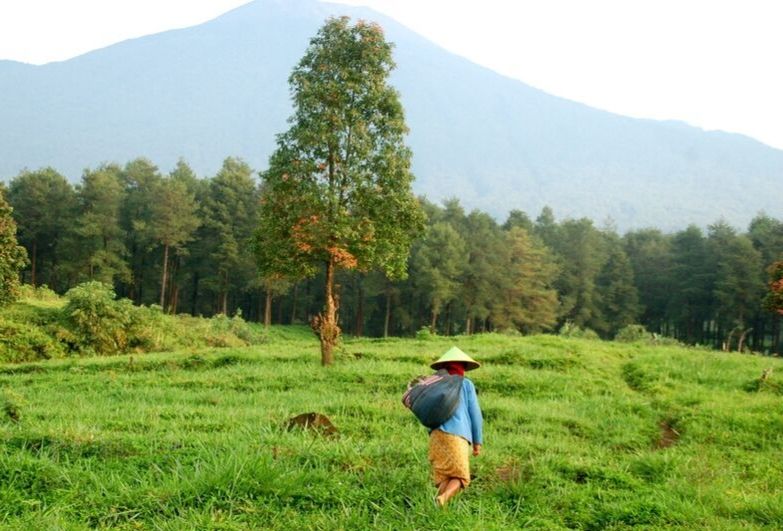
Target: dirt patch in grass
[[316, 422], [668, 435], [509, 473]]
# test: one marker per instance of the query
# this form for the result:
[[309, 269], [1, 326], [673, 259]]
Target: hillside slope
[[220, 89], [579, 434]]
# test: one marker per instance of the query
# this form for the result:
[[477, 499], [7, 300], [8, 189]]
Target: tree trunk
[[293, 303], [268, 309], [727, 344], [174, 301], [140, 278], [194, 303], [165, 273], [173, 287], [448, 319], [33, 263], [224, 295], [387, 317], [742, 339], [359, 328], [468, 325], [325, 323], [434, 320]]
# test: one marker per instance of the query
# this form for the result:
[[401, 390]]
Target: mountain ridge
[[220, 89]]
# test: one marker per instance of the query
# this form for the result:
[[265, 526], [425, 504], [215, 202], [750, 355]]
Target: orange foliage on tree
[[343, 257], [774, 299]]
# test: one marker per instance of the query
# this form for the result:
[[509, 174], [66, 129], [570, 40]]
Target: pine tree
[[482, 277], [173, 222], [230, 216], [100, 238], [739, 284], [12, 255], [517, 218], [619, 299], [438, 262], [581, 251], [44, 204], [693, 278], [649, 252], [528, 300], [140, 179]]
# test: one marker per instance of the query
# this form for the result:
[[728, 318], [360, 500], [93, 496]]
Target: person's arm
[[476, 419]]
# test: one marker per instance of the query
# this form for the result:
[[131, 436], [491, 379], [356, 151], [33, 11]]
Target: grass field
[[579, 434]]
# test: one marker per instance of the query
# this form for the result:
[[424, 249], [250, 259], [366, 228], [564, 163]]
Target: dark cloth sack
[[434, 398]]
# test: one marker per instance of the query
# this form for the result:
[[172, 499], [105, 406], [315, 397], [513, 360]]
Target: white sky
[[715, 64]]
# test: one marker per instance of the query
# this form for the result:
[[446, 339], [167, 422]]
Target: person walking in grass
[[450, 444]]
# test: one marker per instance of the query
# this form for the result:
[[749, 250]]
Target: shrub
[[632, 333], [152, 330], [20, 342], [234, 331], [425, 334], [33, 314], [100, 323], [39, 293], [569, 329], [94, 322]]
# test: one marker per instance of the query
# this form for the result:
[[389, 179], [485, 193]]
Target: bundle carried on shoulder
[[434, 398]]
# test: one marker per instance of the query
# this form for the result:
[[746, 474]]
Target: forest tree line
[[187, 244]]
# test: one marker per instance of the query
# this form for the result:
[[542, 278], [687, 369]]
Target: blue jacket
[[467, 421]]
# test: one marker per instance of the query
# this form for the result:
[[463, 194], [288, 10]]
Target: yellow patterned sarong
[[449, 457]]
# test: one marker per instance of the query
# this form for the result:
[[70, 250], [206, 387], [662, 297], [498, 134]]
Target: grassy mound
[[579, 434]]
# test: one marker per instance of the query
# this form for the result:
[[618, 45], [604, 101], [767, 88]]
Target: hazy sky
[[715, 64]]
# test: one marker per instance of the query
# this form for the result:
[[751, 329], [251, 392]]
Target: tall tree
[[188, 262], [693, 279], [484, 269], [649, 252], [173, 221], [438, 261], [338, 188], [12, 255], [766, 233], [528, 300], [739, 281], [518, 218], [618, 297], [546, 227], [100, 238], [44, 204], [140, 179], [581, 251], [230, 215]]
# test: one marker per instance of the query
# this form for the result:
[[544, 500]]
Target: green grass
[[197, 439]]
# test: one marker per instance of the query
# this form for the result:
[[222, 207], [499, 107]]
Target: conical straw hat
[[455, 354]]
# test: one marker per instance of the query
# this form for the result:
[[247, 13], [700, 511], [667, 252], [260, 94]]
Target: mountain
[[220, 89]]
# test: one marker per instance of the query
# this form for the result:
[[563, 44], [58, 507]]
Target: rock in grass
[[313, 421]]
